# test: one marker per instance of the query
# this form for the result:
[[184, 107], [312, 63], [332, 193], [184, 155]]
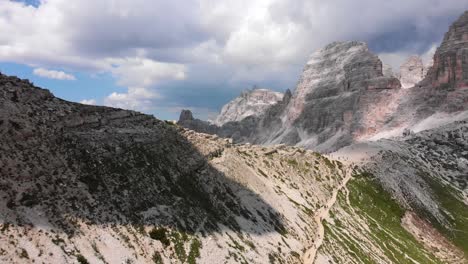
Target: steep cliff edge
[[450, 68]]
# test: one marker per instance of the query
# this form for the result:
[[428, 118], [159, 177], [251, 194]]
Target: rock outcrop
[[339, 97], [412, 71], [450, 67], [250, 103]]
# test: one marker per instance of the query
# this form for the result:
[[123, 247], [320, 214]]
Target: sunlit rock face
[[412, 71], [340, 85], [250, 103]]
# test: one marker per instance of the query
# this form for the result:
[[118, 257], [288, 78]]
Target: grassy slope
[[374, 207], [454, 210]]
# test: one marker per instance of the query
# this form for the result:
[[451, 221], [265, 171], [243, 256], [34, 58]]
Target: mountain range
[[355, 165]]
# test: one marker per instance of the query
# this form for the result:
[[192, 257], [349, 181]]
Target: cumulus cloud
[[140, 99], [88, 101], [146, 43], [141, 72], [51, 74]]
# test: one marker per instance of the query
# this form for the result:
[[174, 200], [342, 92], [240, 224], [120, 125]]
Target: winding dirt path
[[321, 214]]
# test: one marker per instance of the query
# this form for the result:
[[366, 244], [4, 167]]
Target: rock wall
[[250, 103]]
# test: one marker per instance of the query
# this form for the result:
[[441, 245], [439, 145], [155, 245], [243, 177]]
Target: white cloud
[[51, 74], [142, 72], [146, 43], [136, 99], [88, 101], [140, 75]]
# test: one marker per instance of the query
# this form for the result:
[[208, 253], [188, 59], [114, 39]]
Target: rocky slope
[[250, 103], [88, 184], [426, 173], [111, 186]]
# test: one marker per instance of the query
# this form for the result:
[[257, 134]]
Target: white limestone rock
[[250, 103], [412, 71]]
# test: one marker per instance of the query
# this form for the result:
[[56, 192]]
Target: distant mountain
[[412, 71], [250, 103], [343, 96]]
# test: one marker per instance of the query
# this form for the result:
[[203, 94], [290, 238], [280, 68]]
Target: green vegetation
[[383, 215], [179, 241], [161, 235], [292, 162], [157, 259], [57, 240], [81, 259], [454, 210], [24, 254], [194, 251]]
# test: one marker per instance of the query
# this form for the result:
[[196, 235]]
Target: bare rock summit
[[250, 103]]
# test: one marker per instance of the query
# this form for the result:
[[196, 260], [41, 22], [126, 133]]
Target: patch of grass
[[457, 230], [5, 227], [157, 259], [160, 234], [293, 162], [179, 241], [194, 251], [383, 215], [328, 162], [81, 259], [57, 240]]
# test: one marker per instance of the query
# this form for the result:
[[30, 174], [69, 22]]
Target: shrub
[[161, 235], [81, 259], [157, 259]]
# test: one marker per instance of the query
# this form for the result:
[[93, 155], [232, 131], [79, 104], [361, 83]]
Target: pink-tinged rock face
[[450, 69]]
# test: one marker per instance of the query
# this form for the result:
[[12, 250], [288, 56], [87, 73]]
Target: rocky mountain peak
[[339, 68], [186, 115], [252, 102], [450, 68], [411, 71]]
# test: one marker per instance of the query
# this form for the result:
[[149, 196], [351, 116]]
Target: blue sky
[[159, 56]]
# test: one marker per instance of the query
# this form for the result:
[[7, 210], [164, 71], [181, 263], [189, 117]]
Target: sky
[[159, 56]]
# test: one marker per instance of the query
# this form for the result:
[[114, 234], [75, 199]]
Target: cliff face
[[250, 103], [450, 69], [338, 97]]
